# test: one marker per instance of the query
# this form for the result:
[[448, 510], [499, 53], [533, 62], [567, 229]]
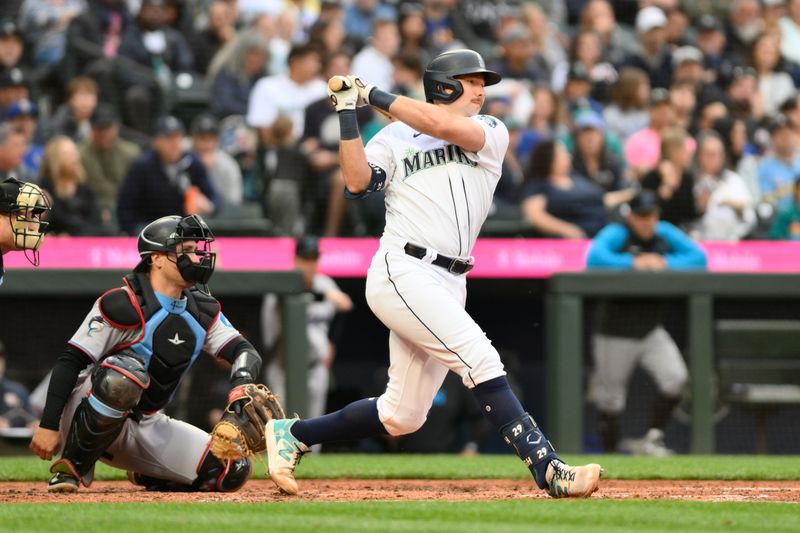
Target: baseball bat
[[337, 83]]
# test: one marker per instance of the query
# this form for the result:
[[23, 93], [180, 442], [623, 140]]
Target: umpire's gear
[[442, 71]]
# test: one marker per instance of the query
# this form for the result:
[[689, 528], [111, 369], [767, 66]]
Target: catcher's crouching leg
[[212, 476], [215, 476], [117, 385]]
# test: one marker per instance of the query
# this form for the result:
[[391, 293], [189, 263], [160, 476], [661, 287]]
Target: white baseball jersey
[[438, 195]]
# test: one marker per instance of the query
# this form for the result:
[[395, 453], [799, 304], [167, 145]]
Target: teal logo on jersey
[[415, 161], [490, 120]]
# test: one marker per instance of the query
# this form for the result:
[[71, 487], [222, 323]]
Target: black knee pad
[[119, 380], [212, 474]]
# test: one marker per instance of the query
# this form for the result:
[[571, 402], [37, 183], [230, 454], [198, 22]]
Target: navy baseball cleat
[[566, 481], [283, 453], [63, 482]]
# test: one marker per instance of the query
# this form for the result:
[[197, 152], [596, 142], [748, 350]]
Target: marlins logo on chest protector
[[173, 333]]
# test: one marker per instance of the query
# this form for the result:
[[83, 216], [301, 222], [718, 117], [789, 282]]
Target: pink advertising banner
[[350, 258]]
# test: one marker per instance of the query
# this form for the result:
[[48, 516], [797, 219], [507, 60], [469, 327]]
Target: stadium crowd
[[127, 110]]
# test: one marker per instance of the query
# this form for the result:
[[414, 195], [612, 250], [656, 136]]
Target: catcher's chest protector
[[173, 334]]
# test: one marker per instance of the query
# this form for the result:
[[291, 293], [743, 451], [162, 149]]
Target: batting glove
[[364, 88], [346, 97]]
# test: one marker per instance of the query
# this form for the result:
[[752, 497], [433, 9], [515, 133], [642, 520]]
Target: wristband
[[348, 125], [381, 99]]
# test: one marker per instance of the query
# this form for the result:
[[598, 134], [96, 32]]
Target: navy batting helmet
[[442, 71]]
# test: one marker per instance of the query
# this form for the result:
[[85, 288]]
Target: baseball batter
[[23, 207], [122, 366], [438, 164]]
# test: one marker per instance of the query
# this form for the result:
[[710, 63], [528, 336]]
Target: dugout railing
[[564, 307], [288, 285]]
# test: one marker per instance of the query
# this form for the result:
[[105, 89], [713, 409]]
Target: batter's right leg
[[117, 385]]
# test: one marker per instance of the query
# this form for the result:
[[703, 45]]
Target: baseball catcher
[[124, 363]]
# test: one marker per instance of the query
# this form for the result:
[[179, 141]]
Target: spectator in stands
[[617, 43], [220, 30], [13, 87], [683, 99], [222, 169], [593, 158], [790, 32], [74, 210], [786, 224], [643, 148], [744, 99], [544, 122], [628, 333], [687, 63], [12, 46], [677, 25], [774, 84], [585, 49], [93, 39], [287, 94], [12, 150], [360, 15], [556, 202], [743, 26], [73, 117], [448, 28], [741, 154], [15, 408], [164, 181], [548, 42], [654, 57], [234, 71], [328, 34], [781, 166], [710, 113], [673, 180], [414, 32], [106, 158], [518, 59], [374, 61], [155, 53], [711, 41], [577, 93], [44, 24], [22, 116], [628, 112], [723, 199]]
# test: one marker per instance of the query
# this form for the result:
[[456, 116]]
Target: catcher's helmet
[[442, 71], [164, 234]]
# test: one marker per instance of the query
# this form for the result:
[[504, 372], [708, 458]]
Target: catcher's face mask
[[194, 238], [27, 214]]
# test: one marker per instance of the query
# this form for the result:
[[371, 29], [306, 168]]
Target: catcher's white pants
[[615, 359], [431, 333], [157, 446]]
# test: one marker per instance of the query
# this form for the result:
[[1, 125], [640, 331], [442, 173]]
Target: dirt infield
[[393, 490]]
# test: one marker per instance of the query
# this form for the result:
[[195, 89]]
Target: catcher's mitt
[[240, 432]]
